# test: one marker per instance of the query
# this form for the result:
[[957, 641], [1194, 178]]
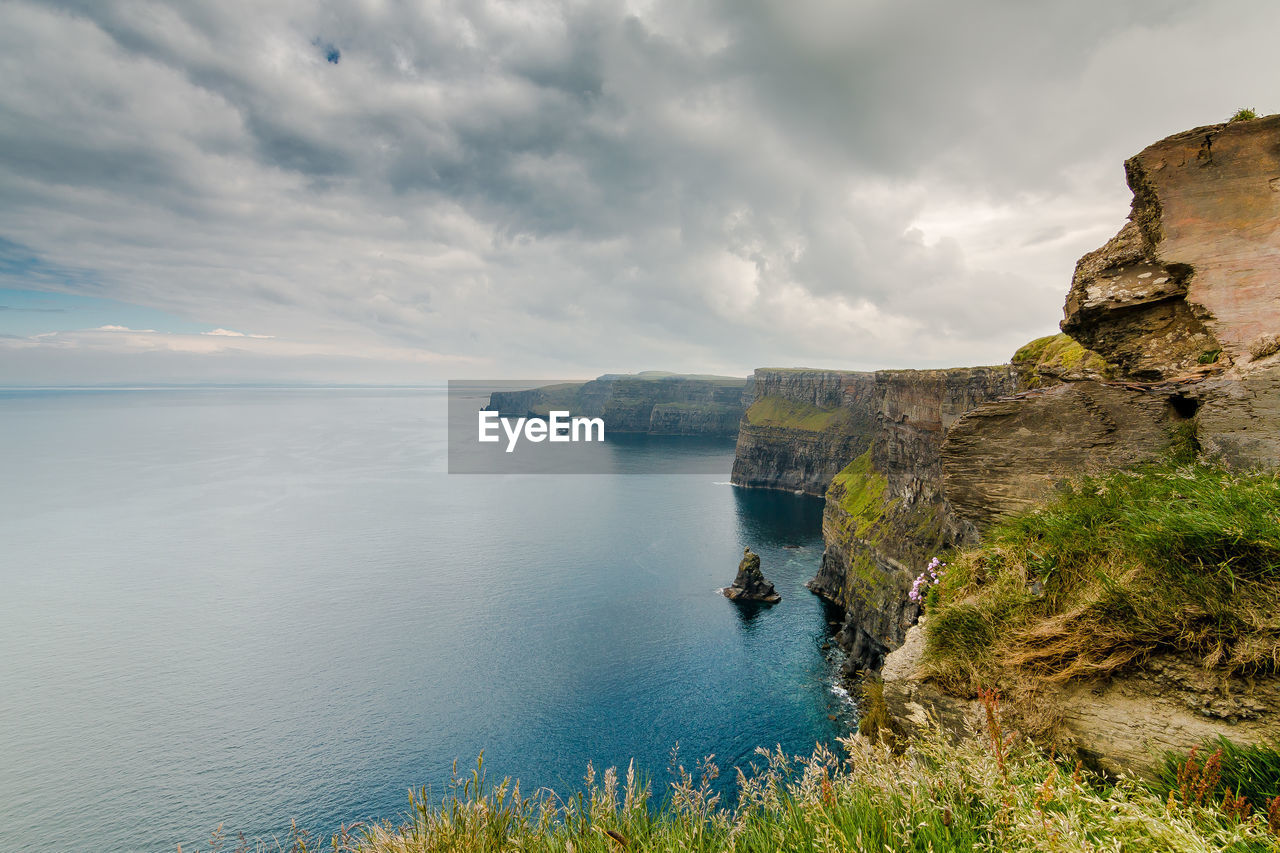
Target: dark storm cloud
[[590, 186]]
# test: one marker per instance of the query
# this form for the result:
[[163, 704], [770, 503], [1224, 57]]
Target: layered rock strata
[[885, 514], [871, 444], [802, 427], [1183, 305], [1124, 724]]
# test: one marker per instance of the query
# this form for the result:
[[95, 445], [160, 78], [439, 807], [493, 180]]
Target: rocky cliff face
[[1183, 305], [1190, 280], [1120, 725], [655, 404], [870, 442], [885, 513], [802, 427]]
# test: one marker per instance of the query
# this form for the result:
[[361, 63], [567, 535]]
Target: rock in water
[[750, 584]]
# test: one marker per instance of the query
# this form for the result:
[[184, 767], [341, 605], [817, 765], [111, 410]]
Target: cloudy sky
[[404, 192]]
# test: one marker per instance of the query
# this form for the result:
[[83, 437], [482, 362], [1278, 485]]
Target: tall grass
[[986, 794], [1251, 771], [1181, 558]]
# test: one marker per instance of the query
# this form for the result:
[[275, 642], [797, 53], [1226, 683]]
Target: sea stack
[[750, 584]]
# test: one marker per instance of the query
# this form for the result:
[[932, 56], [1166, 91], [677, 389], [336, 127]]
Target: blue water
[[250, 606]]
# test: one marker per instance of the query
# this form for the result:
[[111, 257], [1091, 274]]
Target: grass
[[772, 411], [860, 491], [1243, 114], [1249, 771], [989, 793], [1180, 558]]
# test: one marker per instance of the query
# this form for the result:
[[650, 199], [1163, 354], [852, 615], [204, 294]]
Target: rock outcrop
[[750, 583], [1182, 305], [1182, 309], [1007, 456], [652, 403], [1190, 280]]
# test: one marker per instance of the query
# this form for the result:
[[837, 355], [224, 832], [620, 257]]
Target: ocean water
[[243, 607]]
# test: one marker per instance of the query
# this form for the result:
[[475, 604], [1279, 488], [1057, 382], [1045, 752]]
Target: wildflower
[[929, 577]]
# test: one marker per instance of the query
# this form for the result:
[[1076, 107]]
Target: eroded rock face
[[750, 583], [1195, 269], [1186, 295], [803, 454], [1007, 456], [871, 443], [1239, 419]]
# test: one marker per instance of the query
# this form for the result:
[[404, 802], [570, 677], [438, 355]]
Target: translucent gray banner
[[504, 426]]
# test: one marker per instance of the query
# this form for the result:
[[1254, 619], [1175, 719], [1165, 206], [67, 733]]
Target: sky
[[399, 193]]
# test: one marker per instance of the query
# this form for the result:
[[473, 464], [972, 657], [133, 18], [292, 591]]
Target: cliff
[[1165, 638], [885, 514], [801, 428], [870, 443], [653, 403], [1183, 308]]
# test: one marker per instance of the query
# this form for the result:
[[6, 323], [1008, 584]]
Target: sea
[[255, 608]]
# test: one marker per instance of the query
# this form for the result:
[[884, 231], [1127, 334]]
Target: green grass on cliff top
[[986, 794], [772, 411], [1169, 558]]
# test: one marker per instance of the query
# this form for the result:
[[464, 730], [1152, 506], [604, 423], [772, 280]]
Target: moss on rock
[[1048, 360]]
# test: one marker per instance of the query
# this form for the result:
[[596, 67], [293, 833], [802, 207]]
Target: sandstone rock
[[913, 704], [1184, 303], [1008, 456], [750, 584], [1239, 419], [1191, 280]]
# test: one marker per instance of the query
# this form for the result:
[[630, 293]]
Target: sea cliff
[[885, 514], [1180, 313], [870, 442]]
